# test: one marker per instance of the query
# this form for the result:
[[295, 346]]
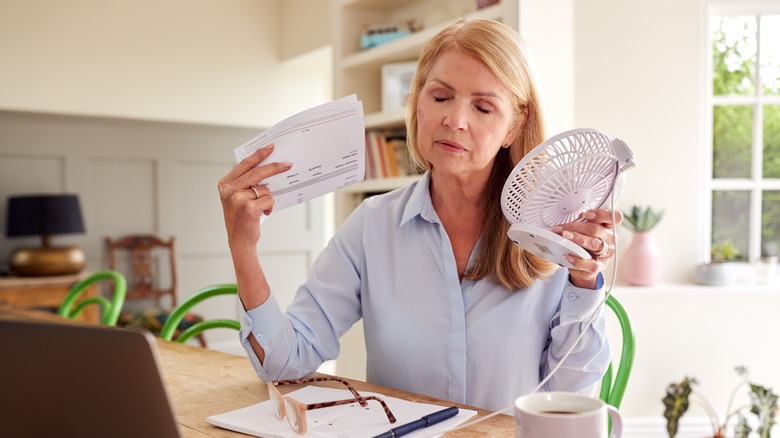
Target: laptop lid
[[80, 380]]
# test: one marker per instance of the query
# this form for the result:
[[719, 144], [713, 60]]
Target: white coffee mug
[[564, 415]]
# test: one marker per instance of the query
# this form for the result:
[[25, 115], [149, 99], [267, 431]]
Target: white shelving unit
[[547, 23]]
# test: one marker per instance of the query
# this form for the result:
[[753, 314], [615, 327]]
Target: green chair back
[[110, 309], [172, 323], [613, 389]]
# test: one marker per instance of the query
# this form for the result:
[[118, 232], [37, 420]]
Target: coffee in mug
[[564, 415]]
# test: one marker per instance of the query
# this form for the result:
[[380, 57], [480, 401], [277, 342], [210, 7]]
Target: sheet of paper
[[326, 145], [344, 421]]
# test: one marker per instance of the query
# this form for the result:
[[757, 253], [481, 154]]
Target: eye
[[482, 109]]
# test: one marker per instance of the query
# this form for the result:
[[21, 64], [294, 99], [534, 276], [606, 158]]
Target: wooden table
[[44, 292], [203, 382]]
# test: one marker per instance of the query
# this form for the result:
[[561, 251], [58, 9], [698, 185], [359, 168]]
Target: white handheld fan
[[564, 176]]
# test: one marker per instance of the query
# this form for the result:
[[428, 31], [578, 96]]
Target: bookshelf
[[546, 25]]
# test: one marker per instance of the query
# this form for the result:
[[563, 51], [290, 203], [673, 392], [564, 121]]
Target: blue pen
[[427, 420]]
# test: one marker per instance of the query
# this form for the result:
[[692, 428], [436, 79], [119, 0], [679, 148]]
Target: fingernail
[[589, 215], [270, 147], [567, 235], [287, 164], [556, 229]]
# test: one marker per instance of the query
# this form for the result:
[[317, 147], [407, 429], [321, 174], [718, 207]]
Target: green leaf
[[639, 220], [764, 405], [676, 403], [742, 429]]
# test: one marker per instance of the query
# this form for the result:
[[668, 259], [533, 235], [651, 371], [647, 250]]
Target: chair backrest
[[613, 389], [110, 309], [169, 328], [143, 276]]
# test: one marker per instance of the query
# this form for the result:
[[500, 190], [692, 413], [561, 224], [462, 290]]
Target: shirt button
[[572, 296], [259, 337]]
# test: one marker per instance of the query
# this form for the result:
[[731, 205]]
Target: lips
[[450, 145]]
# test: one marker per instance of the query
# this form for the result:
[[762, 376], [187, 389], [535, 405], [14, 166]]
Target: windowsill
[[698, 288]]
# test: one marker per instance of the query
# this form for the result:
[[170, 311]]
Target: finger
[[604, 217], [261, 173], [590, 243], [247, 164]]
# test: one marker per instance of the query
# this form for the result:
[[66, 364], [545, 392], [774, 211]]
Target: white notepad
[[343, 421]]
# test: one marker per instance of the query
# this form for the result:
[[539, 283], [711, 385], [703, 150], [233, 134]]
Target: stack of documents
[[343, 421], [326, 145]]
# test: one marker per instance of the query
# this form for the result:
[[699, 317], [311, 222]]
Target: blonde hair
[[502, 51]]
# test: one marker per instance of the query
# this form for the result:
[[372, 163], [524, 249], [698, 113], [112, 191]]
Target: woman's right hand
[[244, 202]]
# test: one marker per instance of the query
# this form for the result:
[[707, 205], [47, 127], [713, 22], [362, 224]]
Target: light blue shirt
[[470, 342]]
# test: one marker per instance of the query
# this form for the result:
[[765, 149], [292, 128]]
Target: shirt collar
[[419, 203]]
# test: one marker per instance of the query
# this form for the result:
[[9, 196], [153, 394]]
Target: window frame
[[753, 184]]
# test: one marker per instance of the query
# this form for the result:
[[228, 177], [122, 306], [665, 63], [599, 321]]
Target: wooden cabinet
[[545, 25], [44, 293]]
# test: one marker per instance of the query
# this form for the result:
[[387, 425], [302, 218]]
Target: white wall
[[200, 61]]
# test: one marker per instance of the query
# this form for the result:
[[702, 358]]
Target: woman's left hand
[[597, 236]]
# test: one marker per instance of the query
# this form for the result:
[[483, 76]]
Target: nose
[[455, 117]]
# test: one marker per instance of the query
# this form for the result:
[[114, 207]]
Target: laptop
[[61, 379]]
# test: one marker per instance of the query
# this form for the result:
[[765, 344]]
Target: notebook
[[80, 380]]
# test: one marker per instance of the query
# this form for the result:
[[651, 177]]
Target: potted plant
[[763, 406], [641, 264], [718, 271]]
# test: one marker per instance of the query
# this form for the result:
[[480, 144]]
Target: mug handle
[[617, 422]]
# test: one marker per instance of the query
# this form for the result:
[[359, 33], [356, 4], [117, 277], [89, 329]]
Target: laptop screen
[[81, 380]]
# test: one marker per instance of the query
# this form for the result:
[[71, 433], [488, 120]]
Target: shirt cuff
[[264, 323], [577, 304]]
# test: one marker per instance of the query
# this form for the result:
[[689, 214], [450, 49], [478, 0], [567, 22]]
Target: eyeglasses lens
[[276, 403], [293, 416]]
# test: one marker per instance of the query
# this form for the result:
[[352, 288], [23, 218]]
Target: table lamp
[[45, 215]]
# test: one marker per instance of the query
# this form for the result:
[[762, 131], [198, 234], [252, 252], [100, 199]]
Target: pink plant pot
[[642, 261]]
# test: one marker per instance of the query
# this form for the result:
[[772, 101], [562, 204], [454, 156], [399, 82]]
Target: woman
[[451, 307]]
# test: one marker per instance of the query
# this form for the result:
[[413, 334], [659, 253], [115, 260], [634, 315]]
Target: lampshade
[[45, 215]]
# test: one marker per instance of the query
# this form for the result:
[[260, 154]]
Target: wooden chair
[[147, 257], [110, 309], [179, 312]]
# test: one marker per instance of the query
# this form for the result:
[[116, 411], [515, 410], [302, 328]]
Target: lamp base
[[37, 262]]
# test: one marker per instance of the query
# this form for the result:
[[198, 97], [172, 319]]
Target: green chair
[[612, 390], [171, 324], [110, 309]]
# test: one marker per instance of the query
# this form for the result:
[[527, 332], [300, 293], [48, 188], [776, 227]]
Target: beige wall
[[202, 61]]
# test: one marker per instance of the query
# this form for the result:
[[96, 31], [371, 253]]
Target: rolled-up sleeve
[[268, 325]]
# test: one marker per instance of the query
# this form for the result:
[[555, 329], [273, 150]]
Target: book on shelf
[[387, 155]]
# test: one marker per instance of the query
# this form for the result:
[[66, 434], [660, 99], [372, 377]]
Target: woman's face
[[464, 115]]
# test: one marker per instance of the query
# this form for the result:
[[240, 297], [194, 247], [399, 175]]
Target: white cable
[[592, 317]]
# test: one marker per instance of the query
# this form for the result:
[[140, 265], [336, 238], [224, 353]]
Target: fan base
[[546, 244]]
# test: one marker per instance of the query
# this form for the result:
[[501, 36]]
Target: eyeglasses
[[295, 411]]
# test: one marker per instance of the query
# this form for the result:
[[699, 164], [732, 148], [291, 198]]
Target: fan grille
[[558, 180]]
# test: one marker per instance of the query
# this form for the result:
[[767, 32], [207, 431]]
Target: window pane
[[730, 209], [770, 54], [771, 141], [770, 221], [732, 127], [734, 54]]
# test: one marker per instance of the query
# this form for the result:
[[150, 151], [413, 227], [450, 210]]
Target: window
[[745, 129]]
